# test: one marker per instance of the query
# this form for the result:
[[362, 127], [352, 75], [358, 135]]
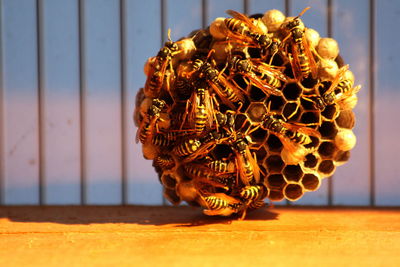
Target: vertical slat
[[124, 104], [41, 96], [82, 103], [387, 98], [20, 102], [246, 6], [59, 84], [288, 7], [204, 13], [351, 26], [183, 17], [315, 18], [102, 101], [261, 6], [163, 24], [2, 125], [329, 34], [217, 8], [372, 70], [142, 41]]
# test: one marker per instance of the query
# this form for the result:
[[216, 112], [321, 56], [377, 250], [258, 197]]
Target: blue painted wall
[[70, 70]]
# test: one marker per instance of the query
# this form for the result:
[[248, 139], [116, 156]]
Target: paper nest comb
[[250, 108]]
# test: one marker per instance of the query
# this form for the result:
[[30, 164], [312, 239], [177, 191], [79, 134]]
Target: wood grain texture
[[159, 236]]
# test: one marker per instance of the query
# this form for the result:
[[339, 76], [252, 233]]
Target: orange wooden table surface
[[177, 236]]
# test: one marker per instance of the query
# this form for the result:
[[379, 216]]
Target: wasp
[[246, 162], [204, 145], [164, 162], [202, 108], [202, 174], [340, 90], [222, 166], [161, 66], [229, 93], [243, 30], [227, 120], [262, 75], [252, 197], [221, 204], [253, 192], [292, 136], [161, 140], [302, 59], [165, 139], [146, 129], [187, 147]]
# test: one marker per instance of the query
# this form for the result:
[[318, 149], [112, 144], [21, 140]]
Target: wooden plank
[[261, 6], [315, 18], [153, 236], [143, 30], [20, 92], [351, 26], [102, 101], [387, 97], [60, 85], [217, 8]]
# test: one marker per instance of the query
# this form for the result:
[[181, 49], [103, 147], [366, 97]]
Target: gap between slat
[[163, 20], [329, 11], [41, 101], [2, 125], [82, 100], [124, 164], [372, 100]]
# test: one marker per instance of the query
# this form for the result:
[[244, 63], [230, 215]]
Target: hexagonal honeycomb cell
[[273, 143], [292, 92], [274, 164], [311, 181], [293, 173], [293, 191], [255, 120], [256, 111]]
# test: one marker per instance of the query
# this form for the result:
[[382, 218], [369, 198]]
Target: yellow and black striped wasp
[[149, 125], [298, 50], [243, 31]]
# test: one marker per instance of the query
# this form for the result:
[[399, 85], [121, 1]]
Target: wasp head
[[264, 40], [164, 52], [293, 23], [156, 107], [244, 66]]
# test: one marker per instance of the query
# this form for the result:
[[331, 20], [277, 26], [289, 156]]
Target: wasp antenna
[[169, 34], [211, 52], [302, 12], [269, 106]]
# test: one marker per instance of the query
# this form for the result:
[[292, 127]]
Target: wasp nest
[[250, 108]]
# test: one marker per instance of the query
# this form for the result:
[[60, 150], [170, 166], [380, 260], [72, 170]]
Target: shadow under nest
[[183, 216]]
